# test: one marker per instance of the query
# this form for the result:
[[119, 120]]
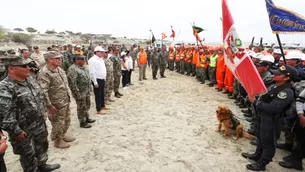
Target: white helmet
[[295, 55], [268, 58]]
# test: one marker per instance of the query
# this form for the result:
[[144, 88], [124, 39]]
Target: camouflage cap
[[79, 56], [14, 60], [52, 54]]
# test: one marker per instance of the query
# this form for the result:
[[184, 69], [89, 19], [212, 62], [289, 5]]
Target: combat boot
[[155, 78], [225, 92], [232, 96], [59, 143], [258, 166], [85, 125], [88, 120], [68, 138], [255, 156], [292, 164], [48, 167], [120, 94], [284, 146], [117, 95]]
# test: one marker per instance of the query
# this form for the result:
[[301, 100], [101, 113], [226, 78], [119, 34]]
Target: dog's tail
[[248, 136]]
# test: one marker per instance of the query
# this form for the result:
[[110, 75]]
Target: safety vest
[[177, 57], [171, 56], [182, 55], [188, 55], [142, 58], [202, 61], [213, 60]]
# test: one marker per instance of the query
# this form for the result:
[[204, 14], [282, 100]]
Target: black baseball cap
[[288, 71]]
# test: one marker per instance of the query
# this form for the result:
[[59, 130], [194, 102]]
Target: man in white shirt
[[97, 70]]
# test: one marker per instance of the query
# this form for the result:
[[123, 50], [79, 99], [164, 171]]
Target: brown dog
[[230, 123]]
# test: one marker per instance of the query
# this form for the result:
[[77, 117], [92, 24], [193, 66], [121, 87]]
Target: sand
[[165, 125]]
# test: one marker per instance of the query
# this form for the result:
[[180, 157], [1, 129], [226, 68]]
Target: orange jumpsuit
[[229, 80], [220, 71]]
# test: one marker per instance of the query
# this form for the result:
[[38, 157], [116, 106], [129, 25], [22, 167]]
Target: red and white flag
[[236, 57]]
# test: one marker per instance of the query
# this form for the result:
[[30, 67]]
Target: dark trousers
[[129, 77], [2, 163], [299, 148], [125, 77], [266, 135], [99, 94]]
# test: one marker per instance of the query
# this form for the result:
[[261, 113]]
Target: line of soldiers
[[267, 113]]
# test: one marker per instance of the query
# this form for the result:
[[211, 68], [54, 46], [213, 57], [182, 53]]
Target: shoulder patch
[[282, 95]]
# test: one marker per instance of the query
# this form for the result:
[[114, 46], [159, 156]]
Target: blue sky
[[134, 18]]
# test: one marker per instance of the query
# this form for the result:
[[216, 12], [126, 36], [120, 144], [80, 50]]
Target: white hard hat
[[268, 58], [99, 48], [277, 51], [123, 53], [295, 55], [252, 53], [258, 56]]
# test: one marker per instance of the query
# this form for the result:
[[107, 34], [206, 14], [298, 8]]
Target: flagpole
[[281, 48], [150, 37]]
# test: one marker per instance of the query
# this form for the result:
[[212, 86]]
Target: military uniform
[[67, 60], [117, 72], [55, 89], [134, 55], [163, 61], [109, 80], [155, 63], [79, 83], [22, 110], [3, 71]]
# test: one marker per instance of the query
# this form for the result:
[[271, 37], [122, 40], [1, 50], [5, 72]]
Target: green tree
[[52, 32], [78, 34], [18, 29], [30, 30], [21, 38]]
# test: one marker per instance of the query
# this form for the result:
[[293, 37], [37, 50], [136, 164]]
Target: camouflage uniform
[[54, 85], [109, 79], [22, 109], [79, 83], [134, 55], [67, 60], [155, 63], [163, 61], [117, 71], [3, 71], [149, 57]]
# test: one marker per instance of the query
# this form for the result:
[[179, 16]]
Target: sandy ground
[[166, 125]]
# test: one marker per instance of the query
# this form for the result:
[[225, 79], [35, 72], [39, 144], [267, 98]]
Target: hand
[[21, 136], [3, 146], [251, 99], [52, 110], [96, 85], [302, 120]]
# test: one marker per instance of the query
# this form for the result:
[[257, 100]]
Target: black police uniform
[[270, 108]]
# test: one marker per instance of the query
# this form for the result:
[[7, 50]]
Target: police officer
[[79, 83], [22, 116], [270, 108], [295, 159]]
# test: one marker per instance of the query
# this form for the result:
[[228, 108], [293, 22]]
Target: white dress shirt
[[129, 62], [97, 69]]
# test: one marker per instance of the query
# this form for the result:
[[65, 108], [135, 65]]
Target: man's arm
[[72, 78], [92, 72], [44, 82]]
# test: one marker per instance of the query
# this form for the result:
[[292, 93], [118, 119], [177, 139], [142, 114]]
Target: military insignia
[[238, 42], [282, 95]]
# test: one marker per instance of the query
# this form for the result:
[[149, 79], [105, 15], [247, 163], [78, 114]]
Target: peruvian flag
[[236, 57]]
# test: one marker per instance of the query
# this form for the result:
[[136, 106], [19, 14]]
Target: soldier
[[3, 71], [134, 54], [109, 81], [117, 72], [79, 83], [37, 56], [68, 58], [155, 62], [54, 84], [22, 116], [163, 62], [149, 56]]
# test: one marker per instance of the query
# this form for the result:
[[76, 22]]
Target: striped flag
[[236, 57]]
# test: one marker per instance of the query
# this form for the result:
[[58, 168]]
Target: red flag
[[173, 34], [236, 57], [195, 33]]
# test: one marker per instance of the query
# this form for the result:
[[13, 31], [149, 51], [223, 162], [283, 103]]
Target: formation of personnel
[[282, 104], [36, 85]]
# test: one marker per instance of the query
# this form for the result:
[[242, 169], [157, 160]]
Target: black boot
[[85, 125], [255, 156], [247, 115], [258, 166], [90, 120], [253, 142], [226, 92], [163, 76], [292, 163], [155, 78], [48, 167], [117, 95], [230, 94], [249, 119], [120, 94], [284, 146], [245, 111], [232, 97]]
